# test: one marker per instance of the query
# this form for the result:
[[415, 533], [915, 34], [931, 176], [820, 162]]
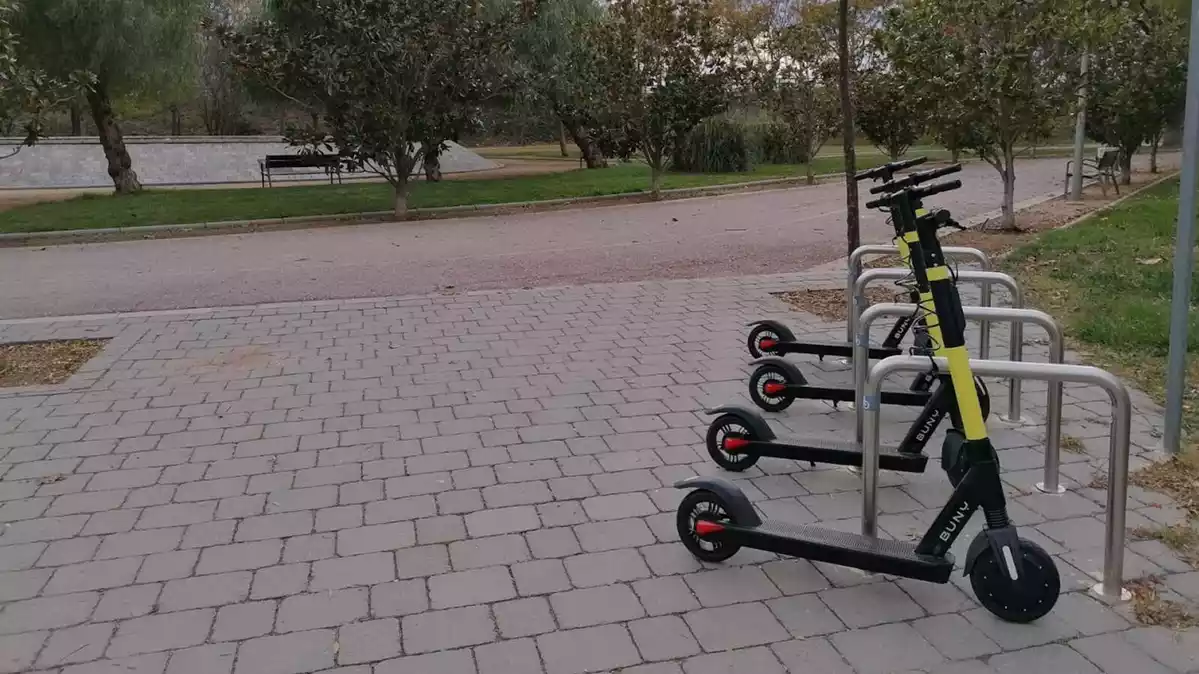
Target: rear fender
[[749, 418], [777, 328], [740, 509]]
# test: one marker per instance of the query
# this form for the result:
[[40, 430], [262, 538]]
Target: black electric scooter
[[772, 338], [1012, 577]]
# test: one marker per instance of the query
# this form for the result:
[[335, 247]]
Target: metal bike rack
[[985, 278], [1111, 586], [1057, 355], [852, 299]]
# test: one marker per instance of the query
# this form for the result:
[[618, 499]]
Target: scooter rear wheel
[[1036, 590], [726, 430], [762, 333], [761, 382], [698, 506]]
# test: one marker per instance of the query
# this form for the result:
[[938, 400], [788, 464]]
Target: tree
[[559, 67], [223, 94], [796, 78], [665, 65], [891, 118], [130, 46], [1004, 69], [386, 74], [1137, 80], [27, 93]]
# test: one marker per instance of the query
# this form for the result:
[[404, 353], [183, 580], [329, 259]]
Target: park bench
[[328, 164], [1102, 169]]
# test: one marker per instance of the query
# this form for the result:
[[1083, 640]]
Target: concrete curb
[[107, 234]]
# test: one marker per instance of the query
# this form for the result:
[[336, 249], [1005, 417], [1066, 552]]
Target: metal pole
[[1080, 134], [1184, 256], [985, 315], [1113, 548], [857, 302], [1015, 347]]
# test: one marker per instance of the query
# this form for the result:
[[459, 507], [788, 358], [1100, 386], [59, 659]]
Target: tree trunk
[[432, 160], [1126, 168], [120, 165], [895, 153], [852, 224], [562, 139], [176, 121], [1154, 143], [655, 180], [400, 204], [810, 173], [954, 154], [591, 154], [76, 119], [1008, 221]]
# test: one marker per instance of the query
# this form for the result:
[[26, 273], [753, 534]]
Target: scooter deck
[[844, 549], [835, 452], [830, 349]]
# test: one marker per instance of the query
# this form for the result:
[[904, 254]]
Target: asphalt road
[[756, 233]]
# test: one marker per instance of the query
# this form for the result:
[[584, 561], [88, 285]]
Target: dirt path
[[765, 232]]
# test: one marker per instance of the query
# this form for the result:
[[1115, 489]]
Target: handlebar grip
[[888, 169], [937, 188], [878, 202], [916, 179]]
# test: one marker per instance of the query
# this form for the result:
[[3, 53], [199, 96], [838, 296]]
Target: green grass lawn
[[171, 206], [1108, 280]]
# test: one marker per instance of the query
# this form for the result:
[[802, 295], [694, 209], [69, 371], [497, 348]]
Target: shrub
[[777, 143], [715, 146]]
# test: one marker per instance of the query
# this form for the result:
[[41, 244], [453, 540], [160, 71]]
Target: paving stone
[[168, 565], [74, 644], [399, 598], [1176, 650], [663, 638], [604, 568], [1112, 654], [596, 606], [587, 650], [244, 621], [467, 588], [274, 526], [523, 617], [446, 662], [871, 604], [294, 653], [239, 556], [376, 538], [279, 581], [1053, 658], [614, 534], [310, 548], [22, 584], [555, 542], [471, 554], [737, 626], [161, 632], [660, 596], [954, 637], [540, 576], [127, 602], [153, 663], [453, 628], [425, 560], [731, 586], [811, 655], [758, 660], [804, 615], [205, 591], [497, 521], [213, 659], [886, 648], [795, 576], [1087, 615], [518, 656], [17, 653], [333, 574], [1011, 636], [369, 641]]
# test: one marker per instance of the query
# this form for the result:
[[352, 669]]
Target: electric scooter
[[768, 337], [1012, 577]]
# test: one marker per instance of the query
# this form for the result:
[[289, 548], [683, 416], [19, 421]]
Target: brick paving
[[480, 483]]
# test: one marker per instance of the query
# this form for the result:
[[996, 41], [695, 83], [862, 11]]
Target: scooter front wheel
[[699, 510], [763, 340], [1029, 597], [728, 434]]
